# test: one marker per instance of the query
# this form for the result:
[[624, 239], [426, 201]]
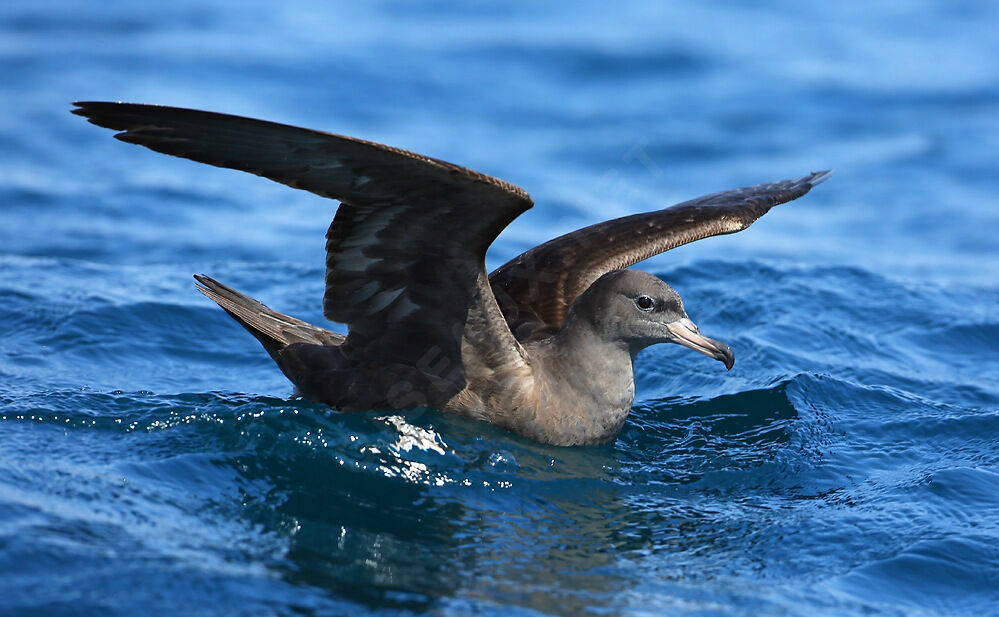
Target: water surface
[[152, 461]]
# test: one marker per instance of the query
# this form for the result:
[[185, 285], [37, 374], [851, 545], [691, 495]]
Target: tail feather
[[274, 330]]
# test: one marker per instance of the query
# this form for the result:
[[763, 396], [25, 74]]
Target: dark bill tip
[[686, 333], [726, 356]]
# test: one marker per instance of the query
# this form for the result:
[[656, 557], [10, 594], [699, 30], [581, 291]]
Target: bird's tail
[[274, 330]]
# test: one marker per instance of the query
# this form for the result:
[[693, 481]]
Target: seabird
[[544, 346]]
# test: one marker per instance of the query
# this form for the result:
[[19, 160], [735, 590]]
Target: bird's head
[[638, 310]]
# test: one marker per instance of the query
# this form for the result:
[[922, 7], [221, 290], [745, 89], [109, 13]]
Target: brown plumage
[[543, 346]]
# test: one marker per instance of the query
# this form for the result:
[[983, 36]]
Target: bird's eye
[[644, 302]]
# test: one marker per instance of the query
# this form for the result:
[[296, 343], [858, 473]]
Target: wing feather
[[536, 288], [405, 251]]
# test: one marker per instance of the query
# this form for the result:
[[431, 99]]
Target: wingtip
[[818, 177], [106, 114], [80, 108], [99, 113], [208, 286]]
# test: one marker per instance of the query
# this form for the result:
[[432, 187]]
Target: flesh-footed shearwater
[[544, 346]]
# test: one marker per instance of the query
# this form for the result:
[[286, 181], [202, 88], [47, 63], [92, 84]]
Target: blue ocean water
[[153, 462]]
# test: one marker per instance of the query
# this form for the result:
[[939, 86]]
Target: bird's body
[[543, 346]]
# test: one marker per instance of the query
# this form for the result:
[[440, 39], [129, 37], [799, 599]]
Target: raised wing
[[405, 251], [536, 288]]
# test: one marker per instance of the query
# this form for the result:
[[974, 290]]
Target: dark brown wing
[[542, 283], [405, 252]]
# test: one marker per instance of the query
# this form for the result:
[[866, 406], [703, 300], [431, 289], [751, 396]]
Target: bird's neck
[[590, 380]]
